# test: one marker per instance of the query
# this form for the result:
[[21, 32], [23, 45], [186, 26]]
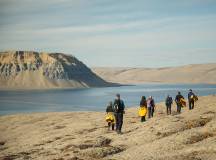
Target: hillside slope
[[33, 70], [200, 73], [83, 135]]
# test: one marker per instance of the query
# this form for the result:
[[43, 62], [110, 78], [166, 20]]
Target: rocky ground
[[83, 135]]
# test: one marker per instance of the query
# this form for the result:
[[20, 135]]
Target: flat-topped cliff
[[34, 70]]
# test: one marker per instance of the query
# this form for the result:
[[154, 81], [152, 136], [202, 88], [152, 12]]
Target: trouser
[[152, 111], [149, 112], [111, 124], [143, 119], [168, 107], [119, 121], [178, 108], [191, 104]]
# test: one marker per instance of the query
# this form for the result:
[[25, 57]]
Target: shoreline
[[116, 85], [128, 107], [58, 88]]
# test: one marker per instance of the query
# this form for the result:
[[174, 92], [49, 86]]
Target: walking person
[[168, 102], [149, 107], [119, 111], [152, 106], [178, 102], [110, 116], [191, 99], [143, 109]]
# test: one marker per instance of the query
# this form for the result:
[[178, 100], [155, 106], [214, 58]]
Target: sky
[[123, 33]]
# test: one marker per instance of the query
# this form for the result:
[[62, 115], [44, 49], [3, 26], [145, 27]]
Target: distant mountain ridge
[[34, 70], [194, 73]]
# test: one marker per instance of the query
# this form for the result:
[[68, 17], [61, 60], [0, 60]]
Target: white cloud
[[148, 38]]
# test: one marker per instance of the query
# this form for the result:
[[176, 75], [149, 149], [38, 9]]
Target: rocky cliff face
[[59, 69]]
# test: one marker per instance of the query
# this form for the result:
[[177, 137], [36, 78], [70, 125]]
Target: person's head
[[168, 95], [118, 96], [190, 90], [151, 97], [143, 98], [110, 103], [179, 92]]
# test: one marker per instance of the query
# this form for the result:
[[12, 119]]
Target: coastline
[[60, 88], [113, 85]]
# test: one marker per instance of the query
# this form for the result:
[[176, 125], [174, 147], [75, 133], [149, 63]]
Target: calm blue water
[[93, 99]]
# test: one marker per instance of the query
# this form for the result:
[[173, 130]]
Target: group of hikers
[[115, 111]]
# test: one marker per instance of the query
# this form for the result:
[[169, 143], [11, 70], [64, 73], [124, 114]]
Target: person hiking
[[168, 102], [178, 102], [143, 109], [191, 99], [153, 106], [119, 111], [110, 116], [150, 106]]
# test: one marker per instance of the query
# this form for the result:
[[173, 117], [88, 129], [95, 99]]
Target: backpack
[[169, 101], [118, 106]]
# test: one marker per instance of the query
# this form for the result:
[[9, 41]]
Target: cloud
[[92, 30]]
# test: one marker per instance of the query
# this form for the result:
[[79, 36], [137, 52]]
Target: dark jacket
[[143, 103], [178, 97], [119, 106], [152, 103], [168, 101], [109, 108]]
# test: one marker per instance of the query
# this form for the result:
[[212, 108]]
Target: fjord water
[[91, 99]]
